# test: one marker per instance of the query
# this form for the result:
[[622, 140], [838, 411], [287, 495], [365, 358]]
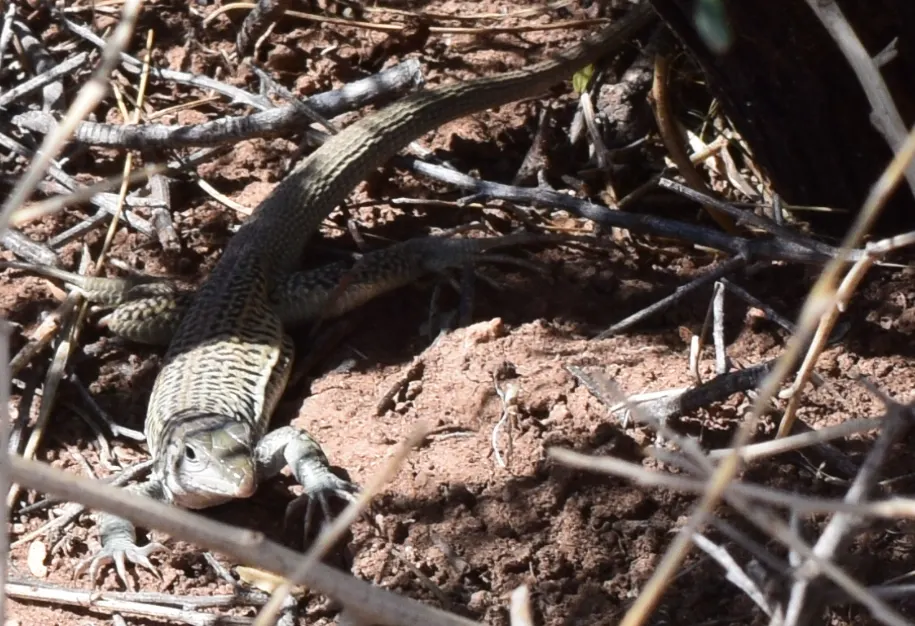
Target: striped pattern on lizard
[[230, 357]]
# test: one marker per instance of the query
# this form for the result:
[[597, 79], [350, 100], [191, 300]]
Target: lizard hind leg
[[151, 320]]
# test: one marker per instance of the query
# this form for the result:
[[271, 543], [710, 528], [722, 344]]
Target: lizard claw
[[116, 552], [320, 486]]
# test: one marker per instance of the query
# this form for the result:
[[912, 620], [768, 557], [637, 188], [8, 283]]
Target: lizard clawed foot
[[116, 552], [320, 487]]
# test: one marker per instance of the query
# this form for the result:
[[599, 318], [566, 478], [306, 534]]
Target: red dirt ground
[[585, 544]]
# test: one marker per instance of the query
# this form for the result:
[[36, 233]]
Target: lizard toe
[[321, 493], [119, 553], [140, 557]]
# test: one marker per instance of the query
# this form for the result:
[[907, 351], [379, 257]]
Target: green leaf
[[581, 78]]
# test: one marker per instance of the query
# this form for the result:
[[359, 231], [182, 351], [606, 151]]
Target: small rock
[[38, 552], [484, 332], [560, 413], [414, 388], [479, 600]]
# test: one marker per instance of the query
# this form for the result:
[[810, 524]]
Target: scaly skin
[[230, 357], [148, 310]]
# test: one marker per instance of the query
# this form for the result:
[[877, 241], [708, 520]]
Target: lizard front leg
[[290, 447], [118, 537]]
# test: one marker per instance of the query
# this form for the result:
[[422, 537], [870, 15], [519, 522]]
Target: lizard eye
[[192, 458]]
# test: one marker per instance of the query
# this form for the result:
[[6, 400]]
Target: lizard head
[[208, 461]]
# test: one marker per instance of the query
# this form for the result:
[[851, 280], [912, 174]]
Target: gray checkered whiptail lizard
[[230, 357]]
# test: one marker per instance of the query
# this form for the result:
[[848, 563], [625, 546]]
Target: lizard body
[[230, 357]]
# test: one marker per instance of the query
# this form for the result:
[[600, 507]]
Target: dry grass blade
[[839, 530], [484, 30], [891, 509], [802, 440], [734, 572], [822, 307], [672, 136], [768, 521], [843, 296], [54, 204]]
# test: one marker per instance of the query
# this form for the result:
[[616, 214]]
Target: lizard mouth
[[210, 488]]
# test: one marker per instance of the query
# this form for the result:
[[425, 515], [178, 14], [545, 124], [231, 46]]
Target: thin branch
[[884, 115], [273, 122]]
